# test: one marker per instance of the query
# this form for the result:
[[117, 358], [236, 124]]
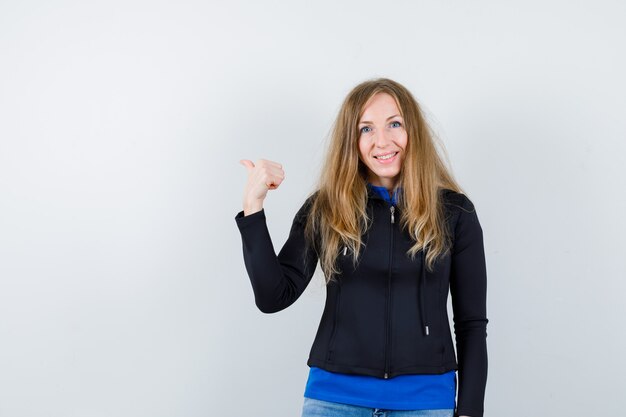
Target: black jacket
[[388, 316]]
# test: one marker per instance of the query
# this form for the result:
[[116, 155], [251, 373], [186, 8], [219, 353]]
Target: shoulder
[[303, 212], [456, 201], [310, 199]]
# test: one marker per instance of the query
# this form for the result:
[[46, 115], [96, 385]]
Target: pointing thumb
[[247, 163]]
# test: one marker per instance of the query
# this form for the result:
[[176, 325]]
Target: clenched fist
[[263, 176]]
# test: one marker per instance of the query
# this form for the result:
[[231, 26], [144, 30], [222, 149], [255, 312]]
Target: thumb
[[247, 163]]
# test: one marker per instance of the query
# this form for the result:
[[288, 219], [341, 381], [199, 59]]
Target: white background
[[122, 285]]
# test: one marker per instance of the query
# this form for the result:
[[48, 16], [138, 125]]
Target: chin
[[387, 174]]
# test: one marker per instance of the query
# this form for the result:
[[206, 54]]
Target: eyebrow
[[390, 117]]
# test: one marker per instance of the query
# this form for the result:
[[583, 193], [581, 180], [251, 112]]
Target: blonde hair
[[337, 215]]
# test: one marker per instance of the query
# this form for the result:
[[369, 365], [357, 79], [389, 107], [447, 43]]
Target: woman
[[394, 234]]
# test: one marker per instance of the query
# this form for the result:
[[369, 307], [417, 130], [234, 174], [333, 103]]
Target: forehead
[[381, 106]]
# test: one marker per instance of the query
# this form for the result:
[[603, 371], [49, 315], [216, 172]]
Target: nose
[[382, 139]]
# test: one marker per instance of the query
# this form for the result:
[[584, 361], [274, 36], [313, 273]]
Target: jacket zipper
[[387, 331]]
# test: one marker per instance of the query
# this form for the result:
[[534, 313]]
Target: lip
[[387, 161], [386, 153]]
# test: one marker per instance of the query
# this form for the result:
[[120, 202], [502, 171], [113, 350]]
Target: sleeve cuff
[[466, 412], [244, 221]]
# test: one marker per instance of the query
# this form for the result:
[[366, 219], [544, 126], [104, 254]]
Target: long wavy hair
[[337, 214]]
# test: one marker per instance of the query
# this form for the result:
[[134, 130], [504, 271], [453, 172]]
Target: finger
[[273, 182], [276, 172], [269, 163]]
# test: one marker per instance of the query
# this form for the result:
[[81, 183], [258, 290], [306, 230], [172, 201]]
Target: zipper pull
[[386, 375], [392, 208], [345, 249], [426, 330]]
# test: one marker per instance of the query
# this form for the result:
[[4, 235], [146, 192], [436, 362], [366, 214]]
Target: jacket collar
[[381, 193]]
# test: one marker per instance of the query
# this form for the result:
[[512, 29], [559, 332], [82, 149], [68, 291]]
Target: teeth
[[391, 155]]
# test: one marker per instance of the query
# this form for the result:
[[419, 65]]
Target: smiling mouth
[[386, 156]]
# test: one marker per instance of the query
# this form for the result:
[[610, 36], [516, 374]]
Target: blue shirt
[[403, 392]]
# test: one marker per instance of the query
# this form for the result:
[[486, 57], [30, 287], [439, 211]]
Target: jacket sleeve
[[468, 287], [277, 281]]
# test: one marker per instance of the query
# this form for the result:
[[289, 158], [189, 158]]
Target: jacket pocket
[[331, 342]]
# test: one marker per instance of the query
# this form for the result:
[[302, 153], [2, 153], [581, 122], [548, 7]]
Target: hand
[[263, 176]]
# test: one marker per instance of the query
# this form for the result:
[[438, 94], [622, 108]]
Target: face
[[382, 133]]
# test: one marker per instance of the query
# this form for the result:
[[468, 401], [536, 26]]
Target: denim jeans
[[319, 408]]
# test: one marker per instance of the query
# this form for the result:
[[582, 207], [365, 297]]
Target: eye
[[399, 124], [364, 127]]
